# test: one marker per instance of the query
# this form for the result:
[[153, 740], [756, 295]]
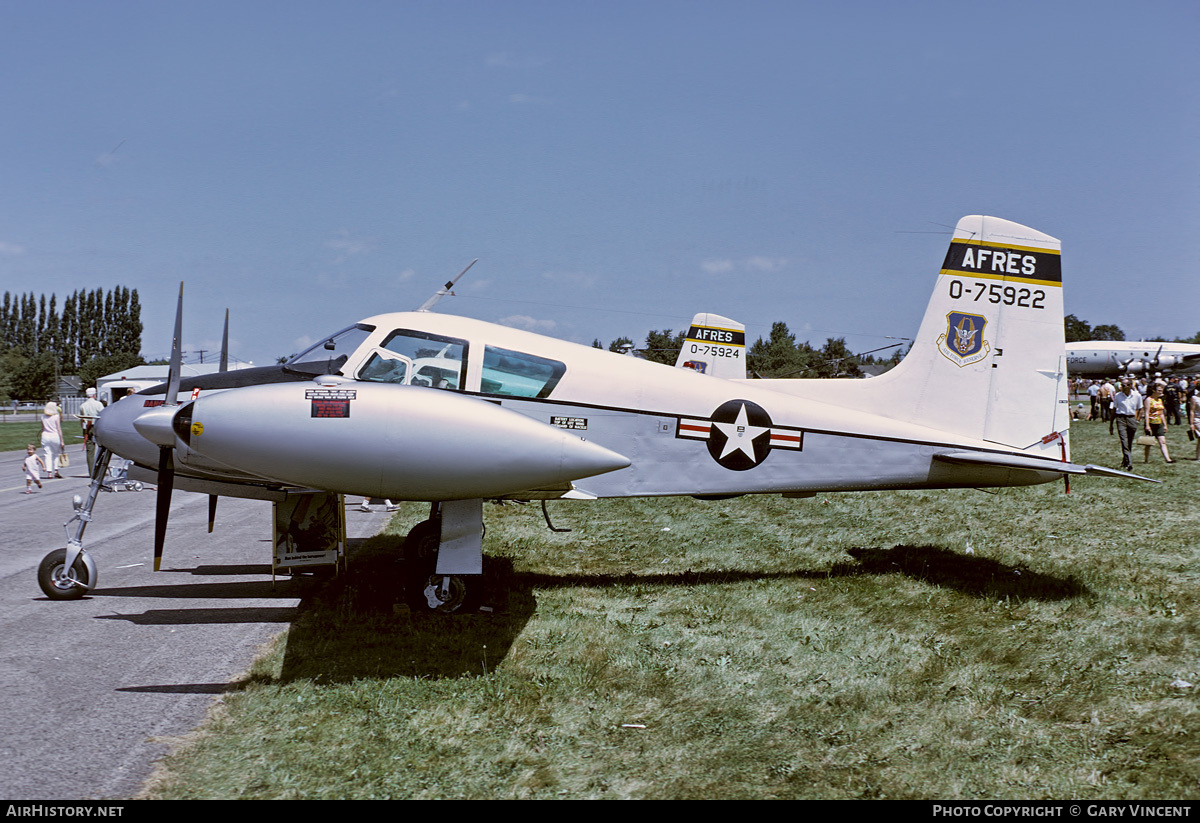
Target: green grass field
[[1019, 644], [16, 436]]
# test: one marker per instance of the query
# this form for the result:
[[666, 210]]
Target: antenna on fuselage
[[446, 289]]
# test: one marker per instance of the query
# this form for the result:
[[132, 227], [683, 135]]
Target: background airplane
[[452, 411], [1106, 358]]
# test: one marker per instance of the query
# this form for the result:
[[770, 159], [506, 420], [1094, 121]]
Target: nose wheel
[[60, 583]]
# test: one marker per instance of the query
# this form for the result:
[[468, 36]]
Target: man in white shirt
[[1127, 404], [88, 412]]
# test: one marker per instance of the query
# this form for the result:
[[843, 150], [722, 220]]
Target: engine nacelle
[[378, 440]]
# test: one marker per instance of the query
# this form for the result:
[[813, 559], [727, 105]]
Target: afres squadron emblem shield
[[963, 342]]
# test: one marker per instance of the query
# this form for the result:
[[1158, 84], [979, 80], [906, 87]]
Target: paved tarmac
[[92, 690]]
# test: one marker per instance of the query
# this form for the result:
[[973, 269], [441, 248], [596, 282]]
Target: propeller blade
[[162, 505], [212, 512], [166, 462], [225, 348], [176, 354]]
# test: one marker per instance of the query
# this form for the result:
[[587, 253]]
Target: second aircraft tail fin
[[716, 346]]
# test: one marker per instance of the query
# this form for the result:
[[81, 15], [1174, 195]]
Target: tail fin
[[714, 345], [989, 361]]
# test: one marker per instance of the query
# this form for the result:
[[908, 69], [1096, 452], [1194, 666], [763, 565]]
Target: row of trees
[[1080, 330], [777, 356], [781, 356], [91, 324], [94, 334]]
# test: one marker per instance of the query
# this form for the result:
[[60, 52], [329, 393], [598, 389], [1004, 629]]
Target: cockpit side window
[[436, 361], [329, 354], [516, 374], [385, 366]]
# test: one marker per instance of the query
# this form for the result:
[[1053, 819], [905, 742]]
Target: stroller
[[118, 470]]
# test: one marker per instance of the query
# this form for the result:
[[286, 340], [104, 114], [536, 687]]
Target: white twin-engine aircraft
[[453, 411]]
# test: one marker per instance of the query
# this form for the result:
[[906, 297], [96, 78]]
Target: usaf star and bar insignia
[[740, 435]]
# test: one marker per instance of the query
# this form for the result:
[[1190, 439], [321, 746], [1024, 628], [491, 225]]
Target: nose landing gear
[[70, 573]]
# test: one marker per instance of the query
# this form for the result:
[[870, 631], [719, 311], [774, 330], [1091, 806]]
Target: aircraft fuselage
[[1103, 358], [614, 425]]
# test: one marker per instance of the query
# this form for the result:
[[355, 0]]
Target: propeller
[[224, 367], [166, 461], [1156, 363], [1168, 361]]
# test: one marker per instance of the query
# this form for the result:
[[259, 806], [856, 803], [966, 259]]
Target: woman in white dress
[[52, 437]]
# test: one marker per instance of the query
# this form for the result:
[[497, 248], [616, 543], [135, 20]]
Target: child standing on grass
[[33, 467]]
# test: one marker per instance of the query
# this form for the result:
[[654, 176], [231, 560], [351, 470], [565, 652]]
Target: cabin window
[[516, 374], [434, 361]]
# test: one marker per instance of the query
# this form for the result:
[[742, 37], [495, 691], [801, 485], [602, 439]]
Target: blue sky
[[616, 166]]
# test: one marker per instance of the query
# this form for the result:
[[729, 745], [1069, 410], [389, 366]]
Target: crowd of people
[[54, 444], [1149, 405]]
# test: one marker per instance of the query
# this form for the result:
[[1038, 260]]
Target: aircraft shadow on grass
[[976, 576], [335, 638], [969, 574], [357, 625]]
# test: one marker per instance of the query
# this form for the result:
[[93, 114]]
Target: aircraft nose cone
[[585, 459]]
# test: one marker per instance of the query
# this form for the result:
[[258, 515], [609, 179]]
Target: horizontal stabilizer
[[1017, 461], [1104, 471], [1010, 461]]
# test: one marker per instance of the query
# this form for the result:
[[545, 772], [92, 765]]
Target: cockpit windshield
[[328, 354]]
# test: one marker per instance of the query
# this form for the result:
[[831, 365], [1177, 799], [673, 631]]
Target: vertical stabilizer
[[989, 360], [716, 346]]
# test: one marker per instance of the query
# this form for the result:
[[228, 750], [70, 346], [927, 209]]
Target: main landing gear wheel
[[425, 589], [444, 593], [56, 583]]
